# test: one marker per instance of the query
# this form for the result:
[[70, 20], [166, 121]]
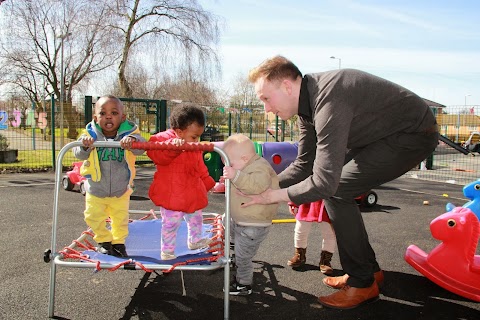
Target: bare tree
[[178, 30], [244, 92], [38, 37], [187, 87]]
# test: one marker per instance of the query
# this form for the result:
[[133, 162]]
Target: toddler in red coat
[[181, 182]]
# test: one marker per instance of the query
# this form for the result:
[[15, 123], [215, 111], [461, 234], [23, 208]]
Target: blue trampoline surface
[[143, 244]]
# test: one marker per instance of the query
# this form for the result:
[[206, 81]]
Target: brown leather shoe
[[350, 297], [341, 281]]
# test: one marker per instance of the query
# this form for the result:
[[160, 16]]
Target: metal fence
[[36, 135]]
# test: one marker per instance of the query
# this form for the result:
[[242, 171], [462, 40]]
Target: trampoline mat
[[143, 244]]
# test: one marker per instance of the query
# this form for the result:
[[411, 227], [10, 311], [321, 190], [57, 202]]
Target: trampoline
[[143, 242]]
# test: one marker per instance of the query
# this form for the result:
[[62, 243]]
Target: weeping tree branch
[[178, 24]]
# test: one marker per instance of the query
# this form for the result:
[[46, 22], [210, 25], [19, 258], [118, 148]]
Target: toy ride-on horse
[[472, 192], [453, 264]]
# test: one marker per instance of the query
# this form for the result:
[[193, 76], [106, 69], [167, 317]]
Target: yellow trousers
[[97, 210]]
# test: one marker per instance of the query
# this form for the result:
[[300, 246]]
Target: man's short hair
[[275, 68]]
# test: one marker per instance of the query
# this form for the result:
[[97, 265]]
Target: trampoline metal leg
[[51, 298], [226, 286]]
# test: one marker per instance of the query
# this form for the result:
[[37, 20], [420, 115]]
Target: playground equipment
[[143, 237], [368, 199], [279, 154], [73, 179], [213, 162], [453, 264], [472, 192]]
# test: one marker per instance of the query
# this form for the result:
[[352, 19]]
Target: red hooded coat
[[182, 180]]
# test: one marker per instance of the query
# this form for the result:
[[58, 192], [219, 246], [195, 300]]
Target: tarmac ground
[[399, 219]]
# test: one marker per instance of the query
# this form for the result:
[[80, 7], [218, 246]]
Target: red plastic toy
[[219, 187], [453, 264], [368, 199], [73, 178]]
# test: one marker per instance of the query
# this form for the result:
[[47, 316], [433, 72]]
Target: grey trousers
[[247, 240], [364, 169]]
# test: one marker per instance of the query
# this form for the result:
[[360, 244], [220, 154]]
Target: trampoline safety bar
[[54, 256]]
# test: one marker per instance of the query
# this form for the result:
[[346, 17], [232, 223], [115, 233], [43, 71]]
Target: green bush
[[3, 143]]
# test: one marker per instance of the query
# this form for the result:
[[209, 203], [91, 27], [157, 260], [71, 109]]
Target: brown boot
[[299, 258], [325, 266]]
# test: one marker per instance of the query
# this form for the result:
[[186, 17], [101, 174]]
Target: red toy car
[[368, 199], [73, 178]]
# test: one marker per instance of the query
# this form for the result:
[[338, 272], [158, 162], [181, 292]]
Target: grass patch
[[41, 160]]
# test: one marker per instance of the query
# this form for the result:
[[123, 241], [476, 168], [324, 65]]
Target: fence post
[[229, 123], [33, 125], [429, 162], [161, 123], [251, 125], [88, 109], [53, 130]]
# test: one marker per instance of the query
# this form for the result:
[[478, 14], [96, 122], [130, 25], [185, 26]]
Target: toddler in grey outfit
[[250, 174]]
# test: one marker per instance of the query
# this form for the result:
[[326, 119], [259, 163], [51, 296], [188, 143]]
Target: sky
[[429, 47]]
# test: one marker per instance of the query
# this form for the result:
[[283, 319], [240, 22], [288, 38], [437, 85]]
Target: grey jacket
[[115, 172], [257, 176], [343, 110]]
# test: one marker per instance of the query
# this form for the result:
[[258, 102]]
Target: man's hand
[[267, 197]]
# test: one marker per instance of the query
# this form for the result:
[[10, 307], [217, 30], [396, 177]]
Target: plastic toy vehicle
[[368, 199], [473, 142], [73, 178]]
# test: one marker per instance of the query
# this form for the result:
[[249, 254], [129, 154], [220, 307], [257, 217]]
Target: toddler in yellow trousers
[[110, 173]]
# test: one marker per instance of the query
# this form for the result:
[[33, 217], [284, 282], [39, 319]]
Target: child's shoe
[[299, 258], [202, 243], [325, 263], [237, 289], [119, 250], [167, 256], [105, 247]]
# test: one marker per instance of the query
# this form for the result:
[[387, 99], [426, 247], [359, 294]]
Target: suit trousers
[[364, 169]]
